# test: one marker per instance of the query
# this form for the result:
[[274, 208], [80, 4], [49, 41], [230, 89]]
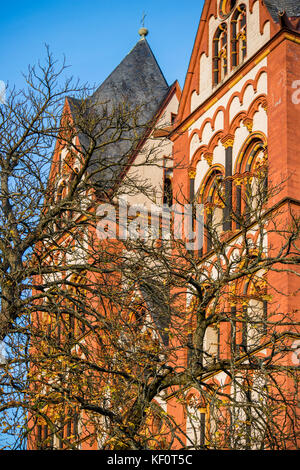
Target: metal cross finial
[[143, 31], [143, 19]]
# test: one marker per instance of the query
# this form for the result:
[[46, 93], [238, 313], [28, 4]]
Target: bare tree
[[108, 335], [61, 147]]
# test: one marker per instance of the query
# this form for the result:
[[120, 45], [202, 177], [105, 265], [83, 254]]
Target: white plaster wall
[[201, 170], [219, 155], [235, 107], [241, 134], [195, 143], [260, 121], [152, 175], [219, 122], [172, 107], [236, 88], [255, 39], [207, 133]]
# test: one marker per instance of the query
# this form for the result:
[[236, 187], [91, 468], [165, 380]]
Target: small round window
[[226, 7]]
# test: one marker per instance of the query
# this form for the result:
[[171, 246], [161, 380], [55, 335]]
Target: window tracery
[[212, 200], [236, 31], [226, 7], [220, 56], [251, 180], [238, 36]]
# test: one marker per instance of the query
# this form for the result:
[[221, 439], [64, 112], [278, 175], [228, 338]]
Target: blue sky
[[95, 35]]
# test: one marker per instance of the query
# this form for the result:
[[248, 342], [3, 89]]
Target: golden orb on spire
[[143, 32]]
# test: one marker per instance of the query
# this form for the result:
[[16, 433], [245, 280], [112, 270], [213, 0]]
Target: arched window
[[67, 430], [238, 36], [196, 423], [254, 313], [212, 200], [226, 7], [77, 294], [211, 340], [248, 313], [255, 322], [220, 66], [251, 181]]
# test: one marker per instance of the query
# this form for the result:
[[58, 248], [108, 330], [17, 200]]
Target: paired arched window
[[238, 40], [44, 437], [238, 36]]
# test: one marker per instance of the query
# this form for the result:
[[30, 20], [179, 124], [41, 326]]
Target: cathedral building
[[228, 144]]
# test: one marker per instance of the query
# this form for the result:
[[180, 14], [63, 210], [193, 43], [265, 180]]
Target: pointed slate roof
[[291, 7], [138, 79], [136, 83]]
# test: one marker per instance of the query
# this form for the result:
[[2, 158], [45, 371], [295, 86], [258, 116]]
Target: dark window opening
[[168, 191], [44, 437]]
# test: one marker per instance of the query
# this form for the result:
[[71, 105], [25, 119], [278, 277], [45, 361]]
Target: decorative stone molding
[[248, 122], [192, 173], [228, 141], [265, 105], [208, 157]]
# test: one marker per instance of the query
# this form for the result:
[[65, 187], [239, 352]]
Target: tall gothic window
[[212, 199], [220, 57], [238, 36], [251, 181]]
